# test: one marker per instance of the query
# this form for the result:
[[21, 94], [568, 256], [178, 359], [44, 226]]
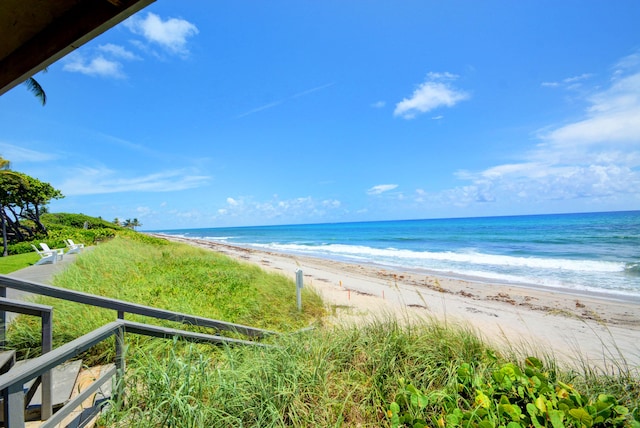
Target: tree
[[117, 221], [4, 171], [135, 223], [23, 198], [131, 224]]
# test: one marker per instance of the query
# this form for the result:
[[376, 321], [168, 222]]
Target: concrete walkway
[[42, 274]]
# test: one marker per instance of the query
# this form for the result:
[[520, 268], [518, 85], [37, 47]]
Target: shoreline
[[575, 326], [613, 296]]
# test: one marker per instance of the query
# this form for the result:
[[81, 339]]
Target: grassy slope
[[171, 276]]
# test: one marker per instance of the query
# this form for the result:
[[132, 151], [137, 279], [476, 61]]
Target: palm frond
[[34, 87]]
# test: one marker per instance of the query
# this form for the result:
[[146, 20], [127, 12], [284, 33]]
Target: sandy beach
[[577, 328]]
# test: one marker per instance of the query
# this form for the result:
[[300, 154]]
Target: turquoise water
[[592, 251]]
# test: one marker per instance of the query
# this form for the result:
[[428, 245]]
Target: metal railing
[[11, 383], [46, 316]]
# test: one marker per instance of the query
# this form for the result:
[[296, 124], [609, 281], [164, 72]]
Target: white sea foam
[[413, 258], [216, 238]]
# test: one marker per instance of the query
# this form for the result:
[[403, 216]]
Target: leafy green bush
[[62, 226], [510, 398], [77, 221]]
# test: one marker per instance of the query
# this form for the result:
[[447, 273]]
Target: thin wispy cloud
[[95, 181], [381, 188], [261, 108], [312, 90], [435, 92], [378, 104], [573, 82], [14, 153], [282, 101]]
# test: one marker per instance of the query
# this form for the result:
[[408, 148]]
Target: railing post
[[120, 362], [14, 406], [3, 320], [47, 381]]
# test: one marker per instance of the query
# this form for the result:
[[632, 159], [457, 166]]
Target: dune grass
[[346, 376], [170, 276]]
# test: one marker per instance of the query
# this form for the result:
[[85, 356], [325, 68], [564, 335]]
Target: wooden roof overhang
[[36, 33]]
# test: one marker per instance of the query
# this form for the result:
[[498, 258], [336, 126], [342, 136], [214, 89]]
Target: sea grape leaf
[[540, 404], [582, 416], [621, 410], [533, 362], [556, 417], [533, 412]]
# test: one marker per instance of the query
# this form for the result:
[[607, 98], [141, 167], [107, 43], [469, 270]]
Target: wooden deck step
[[64, 378], [87, 414]]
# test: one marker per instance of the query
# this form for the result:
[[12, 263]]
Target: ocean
[[597, 252]]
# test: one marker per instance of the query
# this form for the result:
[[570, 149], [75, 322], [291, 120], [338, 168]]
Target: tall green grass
[[170, 276], [344, 376]]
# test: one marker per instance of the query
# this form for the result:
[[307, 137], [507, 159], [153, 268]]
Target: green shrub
[[510, 397], [63, 226]]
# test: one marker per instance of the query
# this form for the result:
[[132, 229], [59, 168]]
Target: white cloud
[[378, 104], [106, 60], [278, 210], [171, 34], [381, 188], [94, 181], [613, 117], [98, 66], [118, 51], [596, 158], [574, 79], [435, 92]]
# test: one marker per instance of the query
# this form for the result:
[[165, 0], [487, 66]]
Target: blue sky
[[238, 113]]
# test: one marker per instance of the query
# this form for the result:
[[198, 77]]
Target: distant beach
[[574, 325]]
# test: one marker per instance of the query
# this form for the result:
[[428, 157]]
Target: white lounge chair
[[45, 257], [72, 247], [59, 252]]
